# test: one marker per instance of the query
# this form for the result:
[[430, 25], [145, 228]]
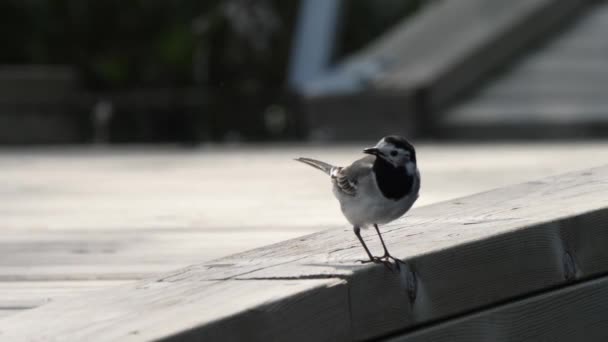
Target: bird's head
[[394, 149]]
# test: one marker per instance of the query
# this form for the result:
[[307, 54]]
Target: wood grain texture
[[10, 311], [131, 213], [575, 313], [461, 255], [257, 310], [30, 294], [479, 250]]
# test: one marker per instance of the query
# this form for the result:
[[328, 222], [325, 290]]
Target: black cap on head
[[400, 142]]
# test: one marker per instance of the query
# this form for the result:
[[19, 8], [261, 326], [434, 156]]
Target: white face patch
[[396, 156]]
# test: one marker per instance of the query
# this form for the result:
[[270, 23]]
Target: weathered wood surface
[[162, 309], [125, 214], [20, 295], [462, 255], [574, 313]]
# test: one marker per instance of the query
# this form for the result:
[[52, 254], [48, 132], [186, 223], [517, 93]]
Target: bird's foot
[[381, 260], [396, 261], [387, 260]]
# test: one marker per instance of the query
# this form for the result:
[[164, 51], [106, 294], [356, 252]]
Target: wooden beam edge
[[573, 312], [479, 251]]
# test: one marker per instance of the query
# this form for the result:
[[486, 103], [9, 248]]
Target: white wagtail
[[375, 189]]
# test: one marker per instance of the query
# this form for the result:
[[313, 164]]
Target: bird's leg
[[358, 233], [372, 258], [387, 255]]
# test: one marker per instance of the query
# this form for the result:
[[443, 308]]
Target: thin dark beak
[[372, 150]]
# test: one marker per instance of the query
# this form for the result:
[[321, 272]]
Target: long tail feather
[[317, 164]]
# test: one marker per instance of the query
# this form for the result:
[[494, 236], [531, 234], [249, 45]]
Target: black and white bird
[[377, 188]]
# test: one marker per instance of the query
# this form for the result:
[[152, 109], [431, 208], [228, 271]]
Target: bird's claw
[[378, 260], [395, 260], [385, 260]]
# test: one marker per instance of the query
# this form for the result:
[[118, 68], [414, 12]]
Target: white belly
[[369, 207]]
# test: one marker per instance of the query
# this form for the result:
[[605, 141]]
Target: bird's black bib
[[394, 182]]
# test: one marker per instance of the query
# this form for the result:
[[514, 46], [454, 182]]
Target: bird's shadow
[[347, 269]]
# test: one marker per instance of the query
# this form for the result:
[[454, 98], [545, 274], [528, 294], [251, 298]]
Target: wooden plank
[[68, 272], [575, 313], [16, 295], [139, 191], [80, 248], [309, 310], [462, 255], [111, 254], [450, 281], [8, 312], [86, 214]]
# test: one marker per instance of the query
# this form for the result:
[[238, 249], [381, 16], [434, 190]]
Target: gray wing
[[347, 178]]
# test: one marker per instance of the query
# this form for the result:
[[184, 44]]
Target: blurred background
[[82, 72], [185, 71]]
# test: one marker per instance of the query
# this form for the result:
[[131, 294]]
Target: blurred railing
[[49, 105]]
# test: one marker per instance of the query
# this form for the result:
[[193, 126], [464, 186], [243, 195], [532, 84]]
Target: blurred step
[[557, 91]]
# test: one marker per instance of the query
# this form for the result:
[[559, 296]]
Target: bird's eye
[[394, 153]]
